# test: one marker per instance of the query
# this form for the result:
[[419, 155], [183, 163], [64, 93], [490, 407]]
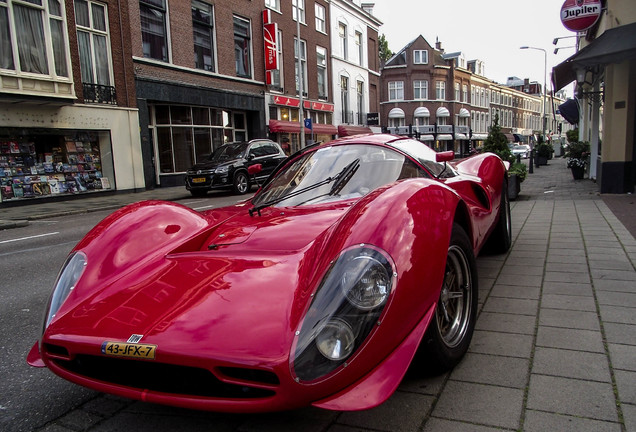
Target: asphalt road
[[30, 259]]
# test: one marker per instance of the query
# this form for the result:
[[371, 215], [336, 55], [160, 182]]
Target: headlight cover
[[346, 307], [69, 275], [222, 169]]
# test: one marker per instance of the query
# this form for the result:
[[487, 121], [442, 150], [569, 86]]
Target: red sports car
[[354, 256]]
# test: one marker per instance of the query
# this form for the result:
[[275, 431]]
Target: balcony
[[96, 93]]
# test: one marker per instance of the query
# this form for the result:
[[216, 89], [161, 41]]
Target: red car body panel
[[222, 290]]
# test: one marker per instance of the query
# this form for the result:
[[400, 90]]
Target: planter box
[[540, 160], [514, 186], [578, 172]]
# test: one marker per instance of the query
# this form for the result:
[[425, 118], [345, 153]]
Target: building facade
[[604, 69], [68, 118]]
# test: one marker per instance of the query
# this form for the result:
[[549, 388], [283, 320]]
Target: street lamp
[[545, 72]]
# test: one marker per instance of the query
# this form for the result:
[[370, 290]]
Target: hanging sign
[[580, 15]]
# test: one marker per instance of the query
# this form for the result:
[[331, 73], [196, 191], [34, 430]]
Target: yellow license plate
[[122, 349], [198, 180]]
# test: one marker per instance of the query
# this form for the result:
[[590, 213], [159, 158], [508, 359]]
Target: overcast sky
[[488, 30]]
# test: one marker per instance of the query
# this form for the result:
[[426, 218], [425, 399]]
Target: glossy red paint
[[224, 289]]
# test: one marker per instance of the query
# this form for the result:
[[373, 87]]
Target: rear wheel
[[451, 329], [241, 183]]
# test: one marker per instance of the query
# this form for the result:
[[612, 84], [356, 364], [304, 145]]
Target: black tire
[[241, 183], [500, 239], [451, 329], [198, 192]]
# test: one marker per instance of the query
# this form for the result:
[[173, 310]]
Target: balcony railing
[[98, 93]]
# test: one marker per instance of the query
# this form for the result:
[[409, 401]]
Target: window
[[242, 49], [153, 29], [342, 34], [298, 7], [457, 93], [440, 90], [303, 64], [321, 55], [344, 99], [93, 41], [360, 48], [203, 30], [321, 18], [360, 101], [465, 93], [420, 57], [396, 90], [273, 4], [420, 89], [39, 49]]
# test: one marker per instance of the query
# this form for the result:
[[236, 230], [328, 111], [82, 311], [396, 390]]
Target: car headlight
[[69, 275], [346, 307], [222, 170]]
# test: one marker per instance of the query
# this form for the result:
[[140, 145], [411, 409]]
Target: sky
[[489, 30]]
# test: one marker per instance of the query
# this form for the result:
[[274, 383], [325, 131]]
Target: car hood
[[222, 284]]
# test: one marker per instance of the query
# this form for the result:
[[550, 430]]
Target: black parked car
[[227, 166]]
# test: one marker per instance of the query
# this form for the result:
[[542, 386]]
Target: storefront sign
[[580, 15], [270, 35], [318, 106], [373, 119]]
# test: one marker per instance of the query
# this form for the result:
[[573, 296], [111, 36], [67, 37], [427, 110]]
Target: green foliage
[[577, 154], [384, 51], [544, 149], [520, 169], [572, 135], [497, 143]]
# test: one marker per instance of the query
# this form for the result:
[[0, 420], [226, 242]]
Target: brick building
[[68, 118]]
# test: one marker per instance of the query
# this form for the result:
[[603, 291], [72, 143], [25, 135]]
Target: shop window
[[203, 32], [42, 163], [153, 29], [242, 47], [94, 49]]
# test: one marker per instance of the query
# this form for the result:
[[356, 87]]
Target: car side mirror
[[254, 169], [445, 156]]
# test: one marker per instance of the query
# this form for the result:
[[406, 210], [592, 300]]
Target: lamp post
[[545, 72], [300, 78]]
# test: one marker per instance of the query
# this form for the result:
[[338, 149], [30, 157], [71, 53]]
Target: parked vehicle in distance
[[354, 256], [521, 149], [227, 166]]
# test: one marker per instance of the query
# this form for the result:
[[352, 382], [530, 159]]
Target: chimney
[[438, 45]]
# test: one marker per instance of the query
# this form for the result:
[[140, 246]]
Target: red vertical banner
[[270, 32]]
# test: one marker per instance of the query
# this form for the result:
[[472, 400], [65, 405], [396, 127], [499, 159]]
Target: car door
[[269, 156]]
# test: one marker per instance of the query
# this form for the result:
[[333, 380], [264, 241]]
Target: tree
[[384, 51], [497, 143]]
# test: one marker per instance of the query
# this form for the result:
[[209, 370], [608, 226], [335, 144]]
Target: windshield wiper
[[340, 180]]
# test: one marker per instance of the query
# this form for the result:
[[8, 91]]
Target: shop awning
[[396, 113], [348, 130], [442, 112], [276, 126], [613, 46], [479, 137], [463, 113], [427, 137], [460, 136], [569, 110], [444, 137], [510, 137], [421, 112]]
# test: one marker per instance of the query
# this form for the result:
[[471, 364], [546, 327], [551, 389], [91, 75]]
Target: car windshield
[[336, 173], [228, 152]]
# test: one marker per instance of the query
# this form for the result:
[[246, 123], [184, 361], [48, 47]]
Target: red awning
[[294, 127], [346, 130]]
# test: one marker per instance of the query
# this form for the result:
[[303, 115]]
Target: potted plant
[[577, 155], [543, 151], [516, 175]]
